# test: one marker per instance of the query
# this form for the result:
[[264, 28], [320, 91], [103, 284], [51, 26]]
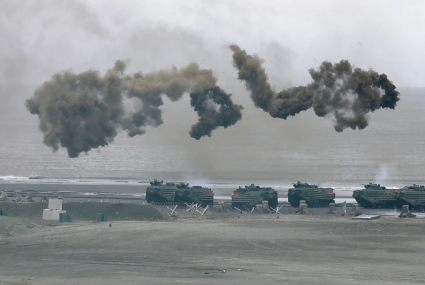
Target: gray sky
[[44, 37], [41, 38]]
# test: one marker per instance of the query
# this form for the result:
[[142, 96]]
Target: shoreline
[[122, 190]]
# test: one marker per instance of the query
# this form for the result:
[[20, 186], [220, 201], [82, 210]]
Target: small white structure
[[55, 208], [55, 204]]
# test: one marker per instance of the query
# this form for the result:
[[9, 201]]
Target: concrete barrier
[[265, 205], [302, 210], [55, 204], [259, 209], [355, 210], [405, 212], [54, 211], [52, 215], [332, 209], [221, 207]]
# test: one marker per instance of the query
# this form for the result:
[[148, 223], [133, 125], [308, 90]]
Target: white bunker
[[55, 208]]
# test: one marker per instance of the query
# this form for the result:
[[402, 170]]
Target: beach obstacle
[[44, 199], [4, 213], [173, 211], [198, 208], [204, 211], [302, 210], [405, 212], [192, 207], [221, 207], [3, 197], [54, 210], [17, 197], [28, 198], [259, 208], [355, 210], [242, 212], [332, 209], [276, 211], [266, 208]]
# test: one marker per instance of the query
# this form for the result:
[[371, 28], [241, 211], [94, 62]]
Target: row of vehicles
[[159, 192], [372, 196]]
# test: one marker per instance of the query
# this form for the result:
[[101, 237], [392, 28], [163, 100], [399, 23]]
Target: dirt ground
[[252, 249], [86, 211]]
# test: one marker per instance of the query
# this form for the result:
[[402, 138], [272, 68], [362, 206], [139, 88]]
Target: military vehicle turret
[[312, 194], [414, 196], [160, 192], [376, 196], [252, 195], [194, 194]]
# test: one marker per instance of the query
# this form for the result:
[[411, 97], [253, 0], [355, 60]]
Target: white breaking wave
[[11, 178]]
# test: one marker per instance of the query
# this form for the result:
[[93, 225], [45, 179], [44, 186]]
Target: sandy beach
[[251, 249]]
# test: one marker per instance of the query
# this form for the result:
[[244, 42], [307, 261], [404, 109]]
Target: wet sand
[[254, 249]]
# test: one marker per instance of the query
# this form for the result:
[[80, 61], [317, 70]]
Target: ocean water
[[258, 149]]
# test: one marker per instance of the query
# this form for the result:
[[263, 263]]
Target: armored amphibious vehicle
[[253, 195], [160, 192], [414, 196], [376, 196], [194, 194], [312, 194]]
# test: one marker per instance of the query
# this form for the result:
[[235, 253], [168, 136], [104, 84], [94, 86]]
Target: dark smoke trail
[[83, 111], [215, 109], [338, 89]]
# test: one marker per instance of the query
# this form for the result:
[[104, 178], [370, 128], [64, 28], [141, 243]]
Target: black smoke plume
[[84, 111], [339, 89], [215, 109]]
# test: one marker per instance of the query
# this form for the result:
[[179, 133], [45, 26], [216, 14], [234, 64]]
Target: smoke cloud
[[84, 111], [337, 89], [214, 108]]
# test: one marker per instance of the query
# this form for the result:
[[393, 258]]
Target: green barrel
[[105, 217], [3, 213], [65, 218], [99, 217]]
